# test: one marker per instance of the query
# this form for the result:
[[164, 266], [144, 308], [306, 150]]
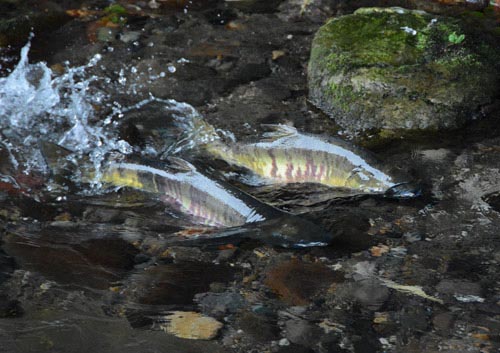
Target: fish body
[[189, 192], [294, 157], [210, 203]]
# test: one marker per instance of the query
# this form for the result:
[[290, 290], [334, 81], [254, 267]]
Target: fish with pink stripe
[[213, 204], [288, 156]]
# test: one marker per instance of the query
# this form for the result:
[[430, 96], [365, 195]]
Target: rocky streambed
[[81, 273]]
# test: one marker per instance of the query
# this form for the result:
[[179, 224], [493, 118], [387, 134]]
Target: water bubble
[[38, 105]]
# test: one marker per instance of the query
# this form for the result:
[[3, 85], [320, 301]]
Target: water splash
[[36, 104]]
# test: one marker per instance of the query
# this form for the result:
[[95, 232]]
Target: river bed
[[85, 270]]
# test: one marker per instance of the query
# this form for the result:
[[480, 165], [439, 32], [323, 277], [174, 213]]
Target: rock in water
[[392, 70], [191, 325]]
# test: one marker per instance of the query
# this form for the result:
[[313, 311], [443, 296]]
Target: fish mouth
[[405, 190]]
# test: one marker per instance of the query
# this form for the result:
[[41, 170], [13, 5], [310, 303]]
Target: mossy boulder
[[393, 71]]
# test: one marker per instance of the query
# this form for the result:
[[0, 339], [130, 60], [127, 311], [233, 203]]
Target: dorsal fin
[[278, 131], [180, 164]]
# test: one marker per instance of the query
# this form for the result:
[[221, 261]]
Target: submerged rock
[[394, 70], [191, 325], [16, 29], [297, 282]]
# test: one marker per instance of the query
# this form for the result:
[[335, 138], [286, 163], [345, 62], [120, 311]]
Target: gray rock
[[370, 293], [443, 321], [452, 287], [130, 36], [217, 304], [302, 332]]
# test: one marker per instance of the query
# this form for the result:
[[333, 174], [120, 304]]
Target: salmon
[[293, 157]]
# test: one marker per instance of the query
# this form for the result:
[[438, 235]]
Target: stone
[[15, 29], [443, 322], [297, 282], [261, 328], [370, 293], [191, 325], [393, 71], [302, 332], [217, 304], [458, 287], [283, 342]]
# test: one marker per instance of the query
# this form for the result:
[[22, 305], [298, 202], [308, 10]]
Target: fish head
[[293, 232], [404, 191], [362, 179]]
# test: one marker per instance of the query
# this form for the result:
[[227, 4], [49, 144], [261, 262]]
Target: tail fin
[[195, 133]]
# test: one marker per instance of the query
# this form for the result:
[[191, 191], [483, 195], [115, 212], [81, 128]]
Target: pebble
[[302, 332], [217, 304], [443, 321], [191, 325], [130, 36], [106, 34], [469, 298], [284, 342], [370, 293]]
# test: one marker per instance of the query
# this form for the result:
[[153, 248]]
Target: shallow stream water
[[89, 268]]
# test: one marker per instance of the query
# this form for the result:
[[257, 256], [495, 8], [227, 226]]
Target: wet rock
[[14, 30], [443, 322], [259, 327], [174, 283], [389, 70], [10, 308], [294, 348], [370, 293], [106, 34], [130, 36], [7, 265], [254, 6], [302, 332], [94, 263], [297, 282], [191, 325], [458, 287], [218, 304], [414, 318]]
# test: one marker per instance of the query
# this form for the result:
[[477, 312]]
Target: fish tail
[[196, 133]]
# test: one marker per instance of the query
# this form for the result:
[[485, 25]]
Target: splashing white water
[[36, 105]]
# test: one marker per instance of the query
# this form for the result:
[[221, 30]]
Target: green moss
[[343, 96], [367, 44], [406, 70], [115, 9], [116, 13]]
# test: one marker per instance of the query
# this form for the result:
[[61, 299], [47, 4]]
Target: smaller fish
[[213, 204], [289, 156]]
